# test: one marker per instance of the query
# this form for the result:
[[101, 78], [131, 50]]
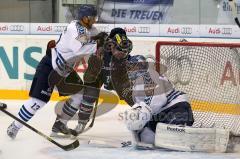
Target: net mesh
[[210, 75]]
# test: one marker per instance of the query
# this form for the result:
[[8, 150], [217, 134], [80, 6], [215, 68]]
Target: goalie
[[162, 116], [156, 101]]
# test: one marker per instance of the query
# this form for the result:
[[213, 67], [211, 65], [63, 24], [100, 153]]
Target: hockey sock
[[28, 110], [90, 96], [70, 107], [85, 111], [68, 111]]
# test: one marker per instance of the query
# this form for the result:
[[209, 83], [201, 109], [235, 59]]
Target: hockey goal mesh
[[210, 74]]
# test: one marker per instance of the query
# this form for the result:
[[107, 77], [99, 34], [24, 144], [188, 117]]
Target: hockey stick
[[69, 147], [74, 133], [94, 116], [233, 6]]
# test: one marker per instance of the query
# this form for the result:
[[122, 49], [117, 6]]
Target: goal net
[[210, 75]]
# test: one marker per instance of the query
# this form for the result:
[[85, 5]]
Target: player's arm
[[85, 43]]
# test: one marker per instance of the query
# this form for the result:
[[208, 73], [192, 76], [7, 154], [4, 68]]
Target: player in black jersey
[[103, 70]]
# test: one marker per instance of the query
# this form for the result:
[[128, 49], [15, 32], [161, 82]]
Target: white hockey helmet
[[137, 117]]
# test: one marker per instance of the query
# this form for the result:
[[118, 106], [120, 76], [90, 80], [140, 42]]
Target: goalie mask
[[122, 46], [138, 116]]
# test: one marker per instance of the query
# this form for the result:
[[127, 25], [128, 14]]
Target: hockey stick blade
[[69, 147]]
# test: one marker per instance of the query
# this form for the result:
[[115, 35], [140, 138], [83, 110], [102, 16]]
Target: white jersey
[[157, 92], [74, 43]]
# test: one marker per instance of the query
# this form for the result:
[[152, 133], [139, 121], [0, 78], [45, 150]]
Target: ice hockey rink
[[105, 137]]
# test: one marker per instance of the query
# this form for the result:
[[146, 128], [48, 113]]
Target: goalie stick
[[69, 147]]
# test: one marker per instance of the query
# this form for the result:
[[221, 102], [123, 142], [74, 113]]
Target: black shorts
[[46, 78], [40, 88], [178, 114]]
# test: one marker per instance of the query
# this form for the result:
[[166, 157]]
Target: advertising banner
[[135, 11], [14, 28], [138, 30], [179, 30], [221, 31]]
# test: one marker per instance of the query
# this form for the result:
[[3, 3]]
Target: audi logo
[[143, 29], [59, 28], [227, 31], [16, 28], [186, 30]]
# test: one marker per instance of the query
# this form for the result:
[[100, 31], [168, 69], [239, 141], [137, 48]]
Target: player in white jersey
[[56, 67], [98, 74], [156, 100]]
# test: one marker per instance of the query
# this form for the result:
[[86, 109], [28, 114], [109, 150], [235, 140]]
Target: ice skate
[[80, 127], [12, 131], [60, 130]]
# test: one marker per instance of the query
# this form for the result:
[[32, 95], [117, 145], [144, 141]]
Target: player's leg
[[70, 107], [71, 85], [90, 96], [84, 103], [93, 82], [179, 114], [40, 94], [26, 112]]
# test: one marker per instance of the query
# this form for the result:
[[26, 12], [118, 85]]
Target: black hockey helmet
[[122, 43], [87, 10], [115, 31]]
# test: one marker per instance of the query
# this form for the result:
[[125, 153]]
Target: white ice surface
[[108, 127]]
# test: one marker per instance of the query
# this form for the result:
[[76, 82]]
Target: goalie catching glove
[[137, 117]]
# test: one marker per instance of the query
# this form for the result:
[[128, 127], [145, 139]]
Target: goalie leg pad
[[187, 138]]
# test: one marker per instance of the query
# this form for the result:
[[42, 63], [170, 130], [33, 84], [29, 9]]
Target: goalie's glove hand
[[100, 38], [137, 116]]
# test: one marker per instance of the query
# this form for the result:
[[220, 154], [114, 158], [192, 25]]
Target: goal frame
[[178, 43]]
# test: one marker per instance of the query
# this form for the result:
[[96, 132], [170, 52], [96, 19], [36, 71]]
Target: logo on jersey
[[82, 37]]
